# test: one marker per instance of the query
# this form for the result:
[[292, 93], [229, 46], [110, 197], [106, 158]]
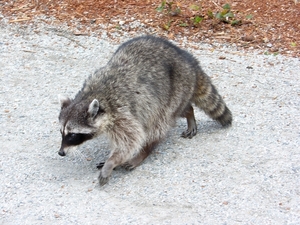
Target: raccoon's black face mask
[[73, 139]]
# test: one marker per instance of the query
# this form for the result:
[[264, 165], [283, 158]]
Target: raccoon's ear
[[64, 101], [94, 108]]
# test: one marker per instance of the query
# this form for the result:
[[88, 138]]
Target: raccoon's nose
[[61, 152]]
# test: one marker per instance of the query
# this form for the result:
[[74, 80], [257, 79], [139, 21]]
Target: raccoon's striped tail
[[207, 98]]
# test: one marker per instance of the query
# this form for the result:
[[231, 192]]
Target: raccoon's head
[[80, 121]]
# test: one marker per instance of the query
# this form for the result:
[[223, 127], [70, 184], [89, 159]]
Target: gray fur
[[136, 98]]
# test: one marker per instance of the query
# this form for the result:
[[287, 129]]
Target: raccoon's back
[[149, 51], [155, 73]]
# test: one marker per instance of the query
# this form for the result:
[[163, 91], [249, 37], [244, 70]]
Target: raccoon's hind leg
[[138, 159], [191, 122], [207, 98]]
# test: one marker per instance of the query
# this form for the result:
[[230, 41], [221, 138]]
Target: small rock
[[248, 38], [269, 45], [274, 49], [265, 39], [121, 22]]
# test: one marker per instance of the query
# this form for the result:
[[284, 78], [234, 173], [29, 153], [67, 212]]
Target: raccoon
[[136, 98]]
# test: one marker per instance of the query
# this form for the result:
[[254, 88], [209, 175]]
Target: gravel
[[246, 174]]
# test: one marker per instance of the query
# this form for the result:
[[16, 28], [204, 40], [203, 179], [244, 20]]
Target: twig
[[216, 4], [24, 50], [223, 37], [71, 39], [19, 20], [20, 7]]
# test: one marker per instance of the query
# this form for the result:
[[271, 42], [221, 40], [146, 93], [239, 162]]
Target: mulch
[[271, 26]]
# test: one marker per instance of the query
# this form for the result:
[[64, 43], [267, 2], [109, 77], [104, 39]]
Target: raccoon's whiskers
[[78, 155]]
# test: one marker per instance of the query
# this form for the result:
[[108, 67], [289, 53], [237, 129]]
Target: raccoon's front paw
[[189, 133], [100, 165], [102, 180]]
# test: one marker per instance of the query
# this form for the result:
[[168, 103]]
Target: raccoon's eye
[[73, 136]]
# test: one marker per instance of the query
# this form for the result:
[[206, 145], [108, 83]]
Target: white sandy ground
[[246, 174]]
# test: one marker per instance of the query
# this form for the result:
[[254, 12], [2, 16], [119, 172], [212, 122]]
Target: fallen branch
[[19, 20]]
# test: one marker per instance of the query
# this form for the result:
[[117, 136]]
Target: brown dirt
[[270, 25]]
